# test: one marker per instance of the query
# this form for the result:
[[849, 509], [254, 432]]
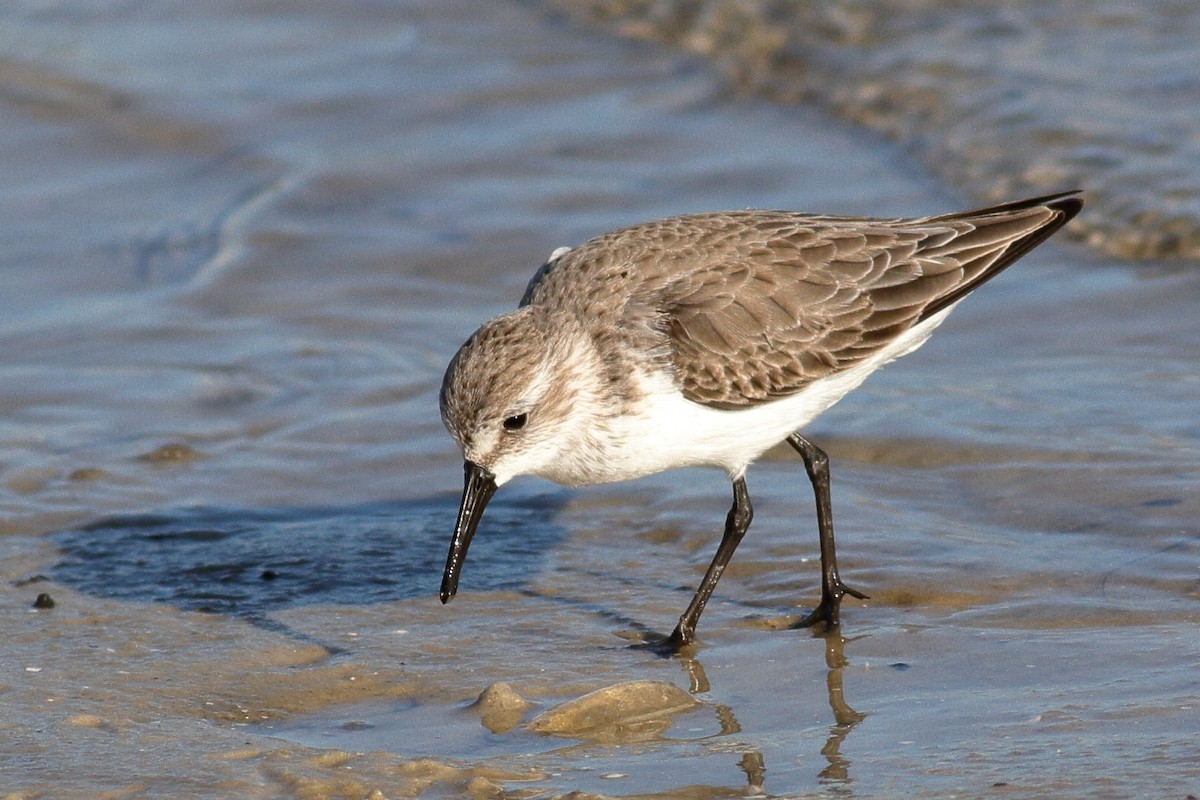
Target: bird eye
[[515, 422]]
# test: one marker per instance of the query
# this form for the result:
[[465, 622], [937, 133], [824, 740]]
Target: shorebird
[[704, 340]]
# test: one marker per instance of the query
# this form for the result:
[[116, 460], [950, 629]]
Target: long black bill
[[478, 487]]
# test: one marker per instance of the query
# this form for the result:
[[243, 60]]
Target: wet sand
[[221, 457]]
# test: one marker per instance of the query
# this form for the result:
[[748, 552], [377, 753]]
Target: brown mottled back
[[748, 306]]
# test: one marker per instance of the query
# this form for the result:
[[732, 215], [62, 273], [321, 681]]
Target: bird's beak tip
[[478, 487]]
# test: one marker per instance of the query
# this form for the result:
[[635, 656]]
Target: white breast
[[670, 431]]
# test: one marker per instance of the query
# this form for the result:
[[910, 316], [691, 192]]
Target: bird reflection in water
[[752, 763]]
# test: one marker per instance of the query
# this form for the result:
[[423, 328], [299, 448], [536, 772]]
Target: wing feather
[[749, 306], [849, 290]]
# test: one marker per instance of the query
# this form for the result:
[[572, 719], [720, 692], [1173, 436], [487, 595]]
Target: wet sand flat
[[234, 277]]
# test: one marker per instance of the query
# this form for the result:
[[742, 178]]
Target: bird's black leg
[[736, 523], [832, 588]]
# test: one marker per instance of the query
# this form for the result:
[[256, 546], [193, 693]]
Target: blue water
[[1017, 97], [250, 562], [241, 242]]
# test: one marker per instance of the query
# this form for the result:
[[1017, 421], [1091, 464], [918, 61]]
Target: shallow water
[[241, 247], [1016, 97]]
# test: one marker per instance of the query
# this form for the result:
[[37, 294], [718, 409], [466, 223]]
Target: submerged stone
[[633, 711], [500, 707]]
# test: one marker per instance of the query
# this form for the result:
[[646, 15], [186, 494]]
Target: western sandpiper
[[703, 340]]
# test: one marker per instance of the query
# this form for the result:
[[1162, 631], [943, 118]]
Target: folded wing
[[781, 300]]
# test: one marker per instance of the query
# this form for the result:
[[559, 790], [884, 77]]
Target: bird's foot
[[678, 643], [828, 609], [679, 639]]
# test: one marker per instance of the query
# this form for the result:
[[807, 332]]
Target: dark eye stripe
[[515, 422]]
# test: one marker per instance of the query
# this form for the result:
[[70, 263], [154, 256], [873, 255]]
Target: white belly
[[671, 431]]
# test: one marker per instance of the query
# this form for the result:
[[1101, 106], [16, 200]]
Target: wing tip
[[1064, 205], [1067, 203]]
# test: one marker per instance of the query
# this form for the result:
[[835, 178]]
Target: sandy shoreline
[[220, 453]]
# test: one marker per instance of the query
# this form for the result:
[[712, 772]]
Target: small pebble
[[500, 707], [167, 453]]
